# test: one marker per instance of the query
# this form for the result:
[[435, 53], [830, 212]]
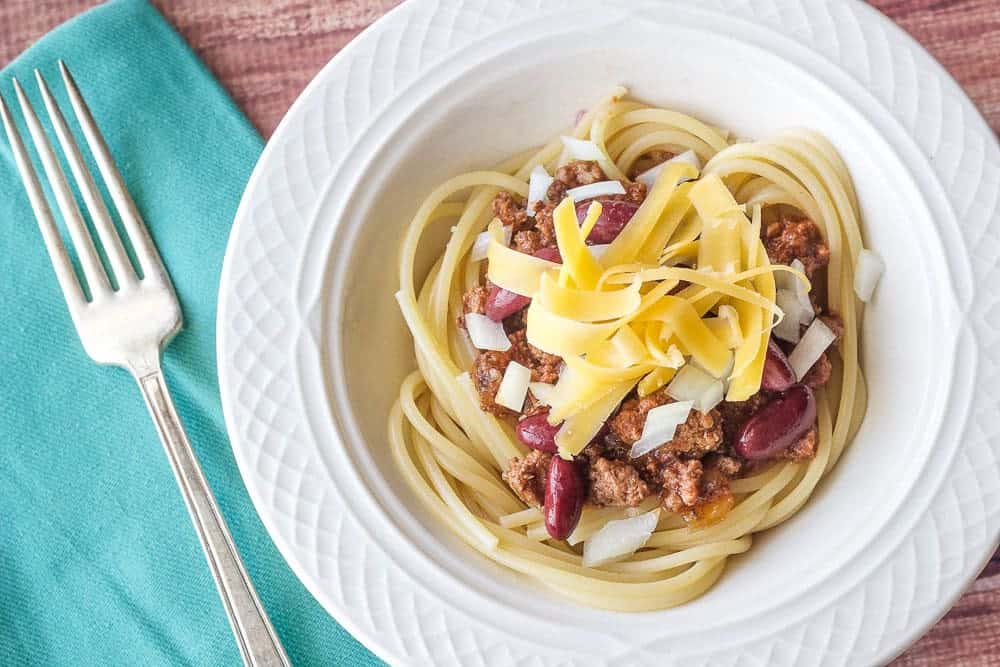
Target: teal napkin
[[99, 564]]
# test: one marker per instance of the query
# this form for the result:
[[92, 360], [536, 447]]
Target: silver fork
[[130, 326]]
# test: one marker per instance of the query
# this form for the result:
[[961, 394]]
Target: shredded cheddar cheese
[[622, 321]]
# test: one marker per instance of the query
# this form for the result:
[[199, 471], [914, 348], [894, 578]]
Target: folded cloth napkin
[[99, 563]]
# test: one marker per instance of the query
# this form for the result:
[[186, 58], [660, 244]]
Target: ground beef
[[528, 241], [835, 323], [489, 367], [526, 477], [516, 322], [735, 414], [555, 194], [689, 483], [612, 446], [804, 449], [680, 478], [544, 226], [510, 209], [820, 373], [575, 173], [487, 373], [701, 433], [615, 483], [606, 444], [649, 160], [634, 192], [473, 301], [544, 366], [532, 406], [593, 450], [788, 239], [726, 465]]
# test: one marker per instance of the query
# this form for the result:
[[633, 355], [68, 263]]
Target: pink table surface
[[265, 51]]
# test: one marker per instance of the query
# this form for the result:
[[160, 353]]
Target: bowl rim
[[274, 171]]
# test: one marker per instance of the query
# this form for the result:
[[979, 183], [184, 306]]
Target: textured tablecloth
[[265, 51]]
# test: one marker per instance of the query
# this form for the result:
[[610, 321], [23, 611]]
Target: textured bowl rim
[[272, 174]]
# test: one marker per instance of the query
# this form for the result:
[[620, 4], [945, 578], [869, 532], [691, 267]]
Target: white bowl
[[312, 347]]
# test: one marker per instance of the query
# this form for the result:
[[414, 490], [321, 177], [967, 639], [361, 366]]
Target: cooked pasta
[[664, 330]]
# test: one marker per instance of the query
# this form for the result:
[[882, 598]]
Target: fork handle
[[257, 640]]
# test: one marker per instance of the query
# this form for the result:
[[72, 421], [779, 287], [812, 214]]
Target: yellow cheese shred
[[588, 305], [684, 323], [512, 270], [628, 244], [578, 430], [655, 380], [578, 263], [723, 220], [748, 367]]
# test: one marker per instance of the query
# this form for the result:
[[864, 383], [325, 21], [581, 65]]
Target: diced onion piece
[[727, 370], [788, 327], [598, 251], [581, 149], [481, 246], [486, 334], [661, 424], [620, 538], [514, 386], [867, 273], [806, 313], [814, 342], [690, 384], [649, 176], [538, 186], [542, 391], [785, 281], [714, 391], [711, 398], [592, 190]]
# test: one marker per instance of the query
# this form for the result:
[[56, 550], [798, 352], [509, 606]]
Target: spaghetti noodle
[[686, 283]]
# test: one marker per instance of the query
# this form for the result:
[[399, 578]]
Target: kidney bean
[[564, 494], [501, 303], [614, 216], [536, 432], [778, 373], [778, 425], [549, 254]]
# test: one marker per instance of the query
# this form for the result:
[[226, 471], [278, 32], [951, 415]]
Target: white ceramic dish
[[311, 346]]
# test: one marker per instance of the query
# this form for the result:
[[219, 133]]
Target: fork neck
[[143, 365]]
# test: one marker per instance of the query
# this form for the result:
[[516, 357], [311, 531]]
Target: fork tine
[[93, 271], [91, 195], [50, 234], [145, 250]]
